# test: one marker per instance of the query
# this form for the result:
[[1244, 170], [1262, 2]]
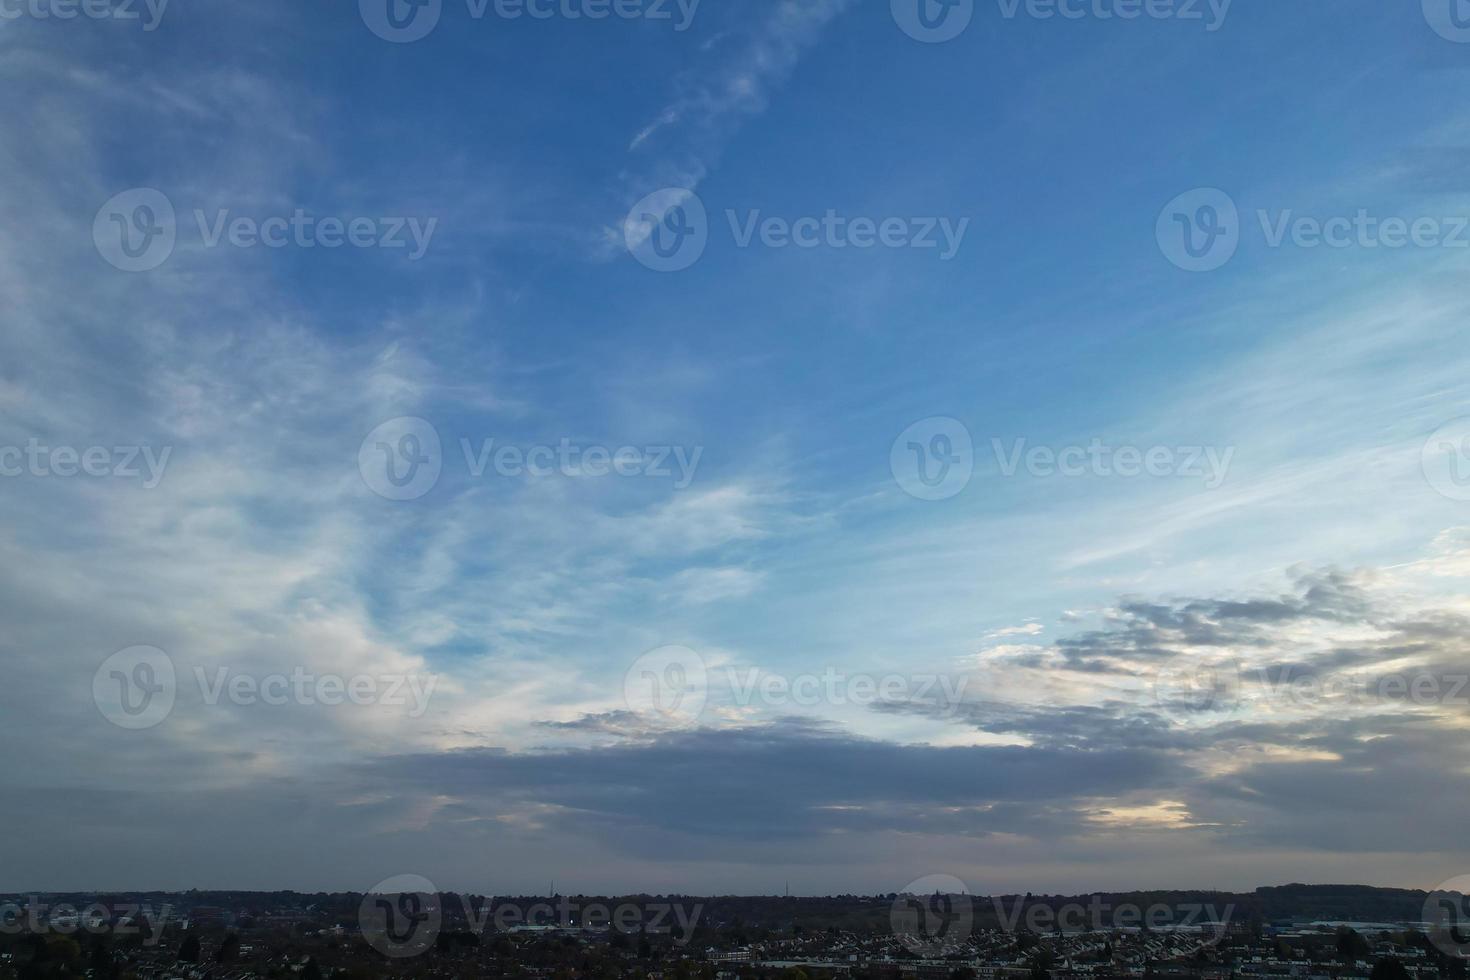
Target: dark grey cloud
[[1112, 725], [621, 722], [1392, 784], [1320, 749], [788, 779], [1145, 633]]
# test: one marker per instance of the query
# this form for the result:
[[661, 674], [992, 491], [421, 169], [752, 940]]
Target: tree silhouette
[[1388, 968], [100, 958], [229, 949], [1351, 945]]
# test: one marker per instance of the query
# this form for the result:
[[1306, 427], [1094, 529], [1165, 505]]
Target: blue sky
[[1059, 611]]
